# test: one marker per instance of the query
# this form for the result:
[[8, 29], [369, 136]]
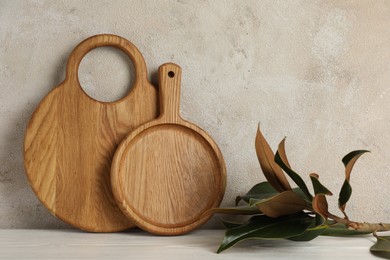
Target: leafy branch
[[282, 212]]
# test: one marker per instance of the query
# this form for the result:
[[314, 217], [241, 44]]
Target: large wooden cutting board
[[71, 139]]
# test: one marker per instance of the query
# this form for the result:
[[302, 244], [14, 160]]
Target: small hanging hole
[[171, 74]]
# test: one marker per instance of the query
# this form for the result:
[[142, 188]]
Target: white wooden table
[[200, 244]]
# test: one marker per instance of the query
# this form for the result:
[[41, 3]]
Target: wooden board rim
[[130, 212], [170, 117]]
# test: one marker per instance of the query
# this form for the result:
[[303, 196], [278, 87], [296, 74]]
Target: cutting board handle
[[102, 40], [169, 75]]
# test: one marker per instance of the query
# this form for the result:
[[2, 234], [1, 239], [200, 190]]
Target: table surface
[[200, 244]]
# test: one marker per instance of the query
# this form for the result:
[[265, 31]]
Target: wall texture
[[317, 72]]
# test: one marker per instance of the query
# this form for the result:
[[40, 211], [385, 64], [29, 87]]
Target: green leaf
[[261, 190], [310, 233], [302, 195], [230, 224], [382, 247], [342, 230], [315, 229], [345, 195], [317, 186], [271, 170], [293, 175], [346, 190], [319, 220], [284, 203], [238, 210], [263, 227]]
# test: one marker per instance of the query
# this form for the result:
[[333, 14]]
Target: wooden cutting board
[[71, 139], [168, 172]]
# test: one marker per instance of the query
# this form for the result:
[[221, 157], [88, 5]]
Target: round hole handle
[[109, 40]]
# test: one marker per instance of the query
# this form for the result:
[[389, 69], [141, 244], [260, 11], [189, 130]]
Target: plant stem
[[361, 226], [369, 227], [345, 215]]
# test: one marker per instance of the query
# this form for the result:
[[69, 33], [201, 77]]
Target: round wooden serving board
[[168, 172], [71, 139]]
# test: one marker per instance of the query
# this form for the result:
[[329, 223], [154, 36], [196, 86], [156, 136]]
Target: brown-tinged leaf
[[320, 205], [349, 161], [317, 186], [345, 195], [282, 152], [284, 203], [281, 160], [272, 171], [346, 190]]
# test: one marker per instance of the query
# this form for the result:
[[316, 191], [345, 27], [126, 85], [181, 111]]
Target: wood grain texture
[[168, 172], [71, 139]]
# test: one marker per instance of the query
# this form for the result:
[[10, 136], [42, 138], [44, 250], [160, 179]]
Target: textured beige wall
[[317, 72]]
